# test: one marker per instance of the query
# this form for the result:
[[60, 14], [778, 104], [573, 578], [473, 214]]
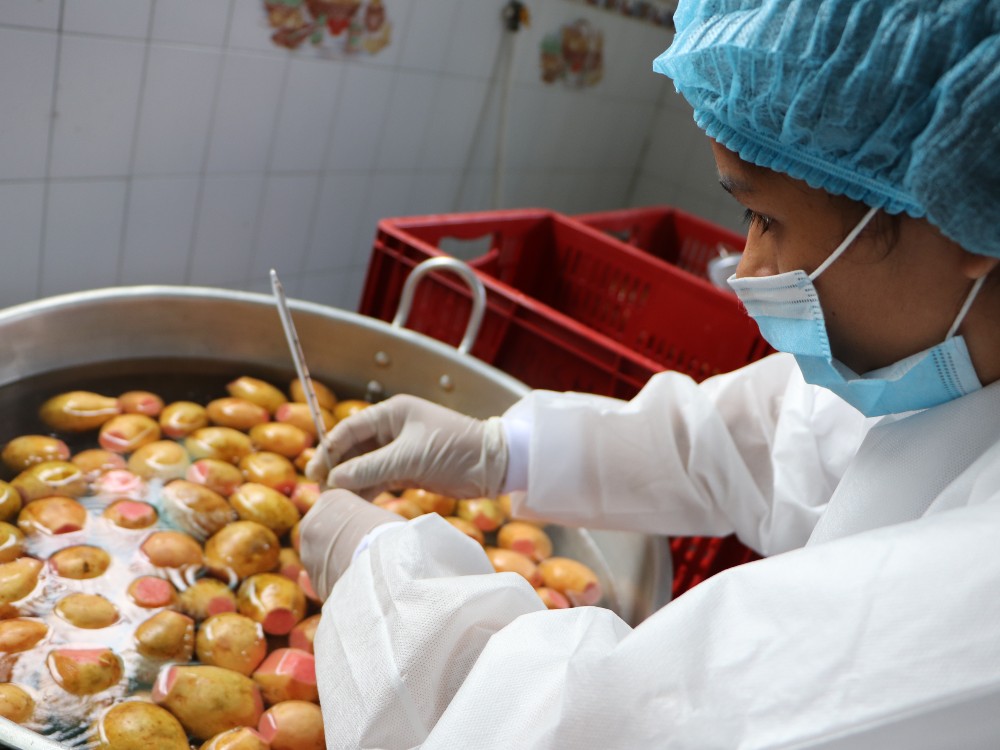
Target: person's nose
[[754, 262]]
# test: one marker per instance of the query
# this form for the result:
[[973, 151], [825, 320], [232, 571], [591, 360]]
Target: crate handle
[[446, 262]]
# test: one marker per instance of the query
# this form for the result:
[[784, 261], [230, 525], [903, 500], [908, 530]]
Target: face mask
[[787, 310]]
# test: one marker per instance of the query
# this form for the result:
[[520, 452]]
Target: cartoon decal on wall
[[573, 55], [656, 12], [353, 26]]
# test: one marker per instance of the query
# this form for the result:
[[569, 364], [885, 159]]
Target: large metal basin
[[159, 329]]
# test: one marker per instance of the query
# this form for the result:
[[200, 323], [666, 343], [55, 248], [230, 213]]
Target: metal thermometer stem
[[300, 361]]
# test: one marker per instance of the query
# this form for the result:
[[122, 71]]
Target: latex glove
[[331, 531], [406, 441]]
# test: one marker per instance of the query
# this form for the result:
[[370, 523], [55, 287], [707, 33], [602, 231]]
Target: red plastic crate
[[670, 234], [571, 308]]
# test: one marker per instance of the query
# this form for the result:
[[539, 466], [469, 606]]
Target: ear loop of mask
[[853, 235]]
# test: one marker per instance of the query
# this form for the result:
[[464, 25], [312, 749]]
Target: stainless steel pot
[[158, 326]]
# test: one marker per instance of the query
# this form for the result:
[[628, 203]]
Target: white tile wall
[[83, 235], [424, 46], [193, 21], [25, 127], [177, 105], [171, 141], [342, 201], [406, 121], [361, 112], [41, 14], [246, 112], [284, 224], [97, 101], [127, 18], [305, 122], [21, 206], [159, 224], [224, 238]]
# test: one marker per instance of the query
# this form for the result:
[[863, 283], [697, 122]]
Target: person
[[862, 460]]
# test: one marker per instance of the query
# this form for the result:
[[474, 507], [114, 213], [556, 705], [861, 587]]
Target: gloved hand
[[406, 441], [331, 531]]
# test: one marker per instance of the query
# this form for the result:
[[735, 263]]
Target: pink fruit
[[293, 725], [287, 674], [303, 634], [237, 413], [218, 476], [324, 396], [11, 542], [20, 634], [151, 592], [50, 478], [552, 599], [300, 416], [222, 443], [242, 549], [280, 437], [10, 501], [80, 562], [270, 469], [172, 549], [273, 601], [305, 495], [166, 635], [16, 703], [483, 512], [207, 597], [27, 450], [85, 671], [525, 538], [138, 725], [52, 515], [258, 392], [78, 411], [196, 509], [119, 484], [126, 433], [508, 561], [181, 418], [266, 506], [431, 502], [88, 611], [130, 514], [573, 579], [401, 506], [18, 579], [95, 461], [141, 402], [162, 459], [208, 700], [232, 641], [241, 738]]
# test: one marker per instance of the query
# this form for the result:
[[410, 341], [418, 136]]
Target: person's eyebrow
[[735, 186]]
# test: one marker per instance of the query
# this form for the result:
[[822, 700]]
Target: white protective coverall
[[874, 623]]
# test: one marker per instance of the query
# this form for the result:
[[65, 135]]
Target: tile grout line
[[268, 162], [47, 184], [134, 146], [200, 190]]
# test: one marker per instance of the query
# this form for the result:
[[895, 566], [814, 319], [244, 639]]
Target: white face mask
[[786, 307]]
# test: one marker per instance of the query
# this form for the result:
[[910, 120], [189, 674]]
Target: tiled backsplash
[[171, 141]]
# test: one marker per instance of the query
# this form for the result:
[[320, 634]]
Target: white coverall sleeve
[[757, 452], [852, 643]]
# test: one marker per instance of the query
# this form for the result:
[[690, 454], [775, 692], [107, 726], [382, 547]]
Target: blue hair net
[[894, 103]]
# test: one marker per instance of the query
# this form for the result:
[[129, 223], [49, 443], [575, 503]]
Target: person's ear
[[976, 266]]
